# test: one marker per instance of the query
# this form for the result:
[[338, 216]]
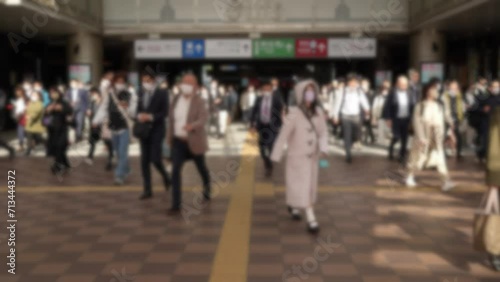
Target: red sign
[[311, 48]]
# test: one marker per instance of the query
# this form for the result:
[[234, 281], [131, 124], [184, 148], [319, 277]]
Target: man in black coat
[[398, 111], [3, 102], [267, 120], [152, 110]]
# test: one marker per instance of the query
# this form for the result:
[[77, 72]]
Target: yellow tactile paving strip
[[231, 259]]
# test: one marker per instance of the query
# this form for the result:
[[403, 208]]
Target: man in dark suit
[[78, 98], [152, 109], [398, 111], [267, 120], [3, 102]]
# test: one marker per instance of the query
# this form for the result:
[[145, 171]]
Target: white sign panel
[[158, 49], [352, 48], [228, 48]]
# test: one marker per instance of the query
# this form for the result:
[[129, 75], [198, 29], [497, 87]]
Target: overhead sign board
[[311, 48], [228, 48], [274, 48], [193, 48], [352, 48], [158, 49]]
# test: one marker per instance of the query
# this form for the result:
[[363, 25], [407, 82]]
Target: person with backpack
[[351, 109], [429, 122]]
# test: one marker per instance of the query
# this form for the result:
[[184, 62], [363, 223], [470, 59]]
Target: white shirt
[[19, 107], [74, 95], [251, 99], [266, 105], [350, 102], [180, 116], [403, 104]]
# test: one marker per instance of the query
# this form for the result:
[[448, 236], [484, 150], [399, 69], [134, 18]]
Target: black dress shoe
[[146, 196], [348, 159], [312, 227], [295, 216]]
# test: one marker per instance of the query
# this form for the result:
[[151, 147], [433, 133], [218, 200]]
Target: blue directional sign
[[193, 48]]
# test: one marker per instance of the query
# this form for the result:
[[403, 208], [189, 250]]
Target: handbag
[[487, 224], [105, 132], [47, 121], [142, 130]]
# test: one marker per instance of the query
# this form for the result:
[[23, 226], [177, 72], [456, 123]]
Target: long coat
[[493, 163], [431, 153], [34, 116], [305, 145], [58, 130]]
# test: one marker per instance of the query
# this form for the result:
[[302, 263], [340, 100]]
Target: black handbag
[[142, 130]]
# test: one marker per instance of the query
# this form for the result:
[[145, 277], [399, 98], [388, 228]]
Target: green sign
[[274, 48]]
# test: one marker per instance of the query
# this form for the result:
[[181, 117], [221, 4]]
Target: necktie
[[266, 115], [146, 99]]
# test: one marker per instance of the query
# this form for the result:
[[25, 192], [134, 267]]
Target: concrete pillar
[[427, 45], [87, 48]]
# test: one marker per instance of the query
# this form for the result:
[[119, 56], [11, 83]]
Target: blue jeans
[[121, 141], [20, 134]]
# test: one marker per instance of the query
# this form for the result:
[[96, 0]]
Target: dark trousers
[[400, 132], [180, 154], [33, 140], [482, 134], [6, 146], [266, 142], [458, 136], [61, 159], [369, 132], [350, 129], [151, 154], [95, 136], [79, 125]]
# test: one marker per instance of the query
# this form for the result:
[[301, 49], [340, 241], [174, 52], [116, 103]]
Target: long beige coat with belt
[[305, 145], [428, 145]]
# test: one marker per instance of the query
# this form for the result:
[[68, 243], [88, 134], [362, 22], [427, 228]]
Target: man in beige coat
[[306, 134], [187, 137]]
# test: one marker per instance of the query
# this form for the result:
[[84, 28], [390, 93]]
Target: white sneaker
[[447, 186], [410, 182]]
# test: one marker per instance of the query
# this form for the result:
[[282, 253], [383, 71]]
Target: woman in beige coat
[[429, 118], [306, 134]]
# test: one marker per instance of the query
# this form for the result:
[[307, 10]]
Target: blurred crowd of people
[[440, 118]]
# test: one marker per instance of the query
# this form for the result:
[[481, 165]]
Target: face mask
[[148, 86], [186, 88], [120, 86], [105, 83], [309, 96], [495, 91]]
